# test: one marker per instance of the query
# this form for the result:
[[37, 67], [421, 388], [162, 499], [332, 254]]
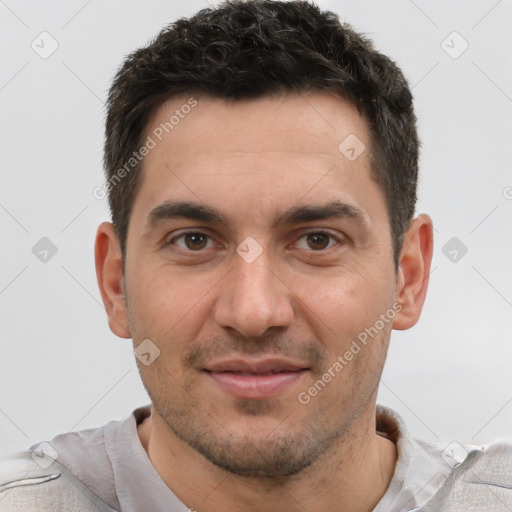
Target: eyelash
[[329, 235]]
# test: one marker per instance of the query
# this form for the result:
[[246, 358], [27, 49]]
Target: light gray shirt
[[107, 469]]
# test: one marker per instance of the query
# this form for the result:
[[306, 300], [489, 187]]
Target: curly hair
[[243, 49]]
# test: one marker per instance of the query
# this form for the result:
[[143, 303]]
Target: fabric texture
[[107, 469]]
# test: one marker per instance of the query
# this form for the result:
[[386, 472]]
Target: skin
[[304, 299]]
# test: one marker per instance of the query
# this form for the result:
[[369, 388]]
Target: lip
[[255, 379], [274, 365]]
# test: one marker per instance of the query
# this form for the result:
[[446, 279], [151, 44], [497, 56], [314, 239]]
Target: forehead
[[268, 151], [296, 122]]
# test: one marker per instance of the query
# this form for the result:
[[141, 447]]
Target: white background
[[60, 366]]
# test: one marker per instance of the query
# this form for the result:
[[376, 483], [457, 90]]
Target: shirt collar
[[422, 466]]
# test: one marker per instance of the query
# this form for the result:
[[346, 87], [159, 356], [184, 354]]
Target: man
[[261, 164]]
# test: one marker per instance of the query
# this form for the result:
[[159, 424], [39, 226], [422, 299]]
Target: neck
[[353, 476]]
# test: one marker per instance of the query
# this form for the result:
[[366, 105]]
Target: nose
[[253, 298]]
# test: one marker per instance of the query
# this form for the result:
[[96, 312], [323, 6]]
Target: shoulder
[[35, 480], [73, 471], [482, 481], [492, 466]]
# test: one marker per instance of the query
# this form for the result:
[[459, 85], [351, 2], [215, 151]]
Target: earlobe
[[109, 273], [414, 271]]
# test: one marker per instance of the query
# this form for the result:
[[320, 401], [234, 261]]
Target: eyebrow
[[331, 210], [297, 214]]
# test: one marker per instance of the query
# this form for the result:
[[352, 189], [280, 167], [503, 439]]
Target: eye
[[192, 241], [318, 241], [196, 241]]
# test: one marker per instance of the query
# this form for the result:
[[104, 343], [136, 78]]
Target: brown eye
[[195, 241], [192, 241], [318, 241]]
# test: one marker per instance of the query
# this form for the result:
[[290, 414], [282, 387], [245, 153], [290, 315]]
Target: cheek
[[345, 303], [166, 302]]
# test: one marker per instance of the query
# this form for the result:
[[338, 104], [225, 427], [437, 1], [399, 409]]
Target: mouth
[[255, 379]]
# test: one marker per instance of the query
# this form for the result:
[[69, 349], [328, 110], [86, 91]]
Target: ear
[[109, 272], [414, 271]]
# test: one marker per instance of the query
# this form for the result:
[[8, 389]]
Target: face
[[257, 253]]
